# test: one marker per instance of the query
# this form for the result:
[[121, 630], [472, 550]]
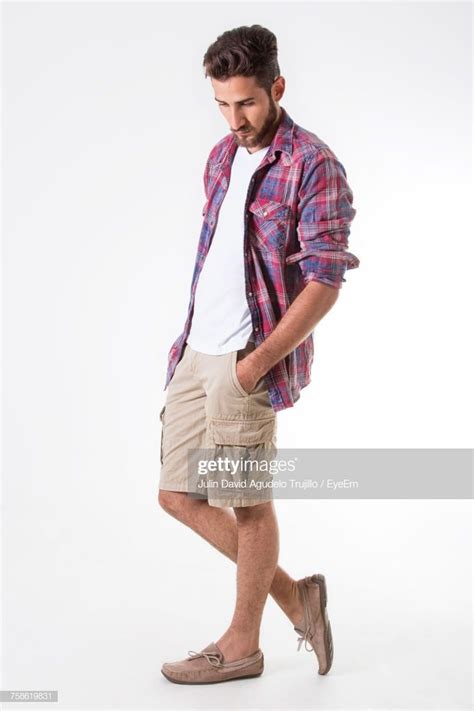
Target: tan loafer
[[317, 628], [210, 667]]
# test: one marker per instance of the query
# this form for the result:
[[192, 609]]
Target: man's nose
[[236, 122]]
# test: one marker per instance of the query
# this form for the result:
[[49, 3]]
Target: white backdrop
[[107, 122]]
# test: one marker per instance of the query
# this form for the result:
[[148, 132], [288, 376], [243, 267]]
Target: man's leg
[[257, 556], [202, 386], [225, 530]]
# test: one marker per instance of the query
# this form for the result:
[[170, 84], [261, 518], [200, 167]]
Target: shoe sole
[[328, 643], [217, 681]]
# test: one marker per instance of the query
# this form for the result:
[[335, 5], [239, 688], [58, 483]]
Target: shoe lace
[[307, 635], [306, 638], [213, 659]]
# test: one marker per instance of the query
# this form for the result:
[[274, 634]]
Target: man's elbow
[[323, 291]]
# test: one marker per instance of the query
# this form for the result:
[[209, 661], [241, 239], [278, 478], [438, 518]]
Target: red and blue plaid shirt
[[297, 213]]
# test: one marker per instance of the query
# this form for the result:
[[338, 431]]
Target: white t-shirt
[[221, 319]]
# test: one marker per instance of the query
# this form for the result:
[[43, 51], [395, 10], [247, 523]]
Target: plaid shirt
[[297, 221]]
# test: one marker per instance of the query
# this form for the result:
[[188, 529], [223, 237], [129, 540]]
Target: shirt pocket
[[268, 223]]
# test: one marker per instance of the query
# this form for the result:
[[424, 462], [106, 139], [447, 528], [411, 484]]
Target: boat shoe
[[316, 630], [209, 667]]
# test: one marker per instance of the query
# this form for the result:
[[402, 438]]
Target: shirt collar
[[282, 142]]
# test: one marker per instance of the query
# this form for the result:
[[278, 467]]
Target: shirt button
[[250, 293], [265, 213], [257, 329]]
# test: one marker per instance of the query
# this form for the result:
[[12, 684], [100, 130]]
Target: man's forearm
[[304, 313]]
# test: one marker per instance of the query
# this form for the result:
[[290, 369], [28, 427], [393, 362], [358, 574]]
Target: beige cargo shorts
[[209, 419]]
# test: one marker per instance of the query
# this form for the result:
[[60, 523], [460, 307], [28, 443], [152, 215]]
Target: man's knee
[[246, 514], [171, 501], [175, 503]]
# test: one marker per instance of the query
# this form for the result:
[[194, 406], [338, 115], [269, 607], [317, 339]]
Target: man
[[271, 259]]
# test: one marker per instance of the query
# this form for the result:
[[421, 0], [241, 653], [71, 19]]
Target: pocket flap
[[269, 209], [243, 432]]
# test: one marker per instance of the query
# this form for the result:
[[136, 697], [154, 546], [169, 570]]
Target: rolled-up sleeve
[[324, 216]]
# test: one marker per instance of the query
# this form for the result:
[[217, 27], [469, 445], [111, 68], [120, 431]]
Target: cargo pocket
[[162, 419], [242, 433], [249, 446]]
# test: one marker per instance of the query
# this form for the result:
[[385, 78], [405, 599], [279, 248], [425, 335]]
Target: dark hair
[[244, 51]]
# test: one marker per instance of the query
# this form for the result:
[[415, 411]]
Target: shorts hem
[[237, 502]]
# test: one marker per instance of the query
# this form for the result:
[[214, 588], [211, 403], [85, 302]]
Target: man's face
[[252, 115]]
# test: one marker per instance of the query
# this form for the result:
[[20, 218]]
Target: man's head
[[245, 76]]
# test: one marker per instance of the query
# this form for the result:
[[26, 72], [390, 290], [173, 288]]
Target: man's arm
[[304, 313], [324, 216]]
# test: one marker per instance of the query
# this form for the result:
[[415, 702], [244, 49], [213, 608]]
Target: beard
[[265, 134]]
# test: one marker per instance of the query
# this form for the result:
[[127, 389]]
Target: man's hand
[[309, 307], [246, 374]]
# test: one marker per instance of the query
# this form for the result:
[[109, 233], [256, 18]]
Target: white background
[[107, 122]]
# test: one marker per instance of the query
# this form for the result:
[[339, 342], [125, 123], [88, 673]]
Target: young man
[[271, 259]]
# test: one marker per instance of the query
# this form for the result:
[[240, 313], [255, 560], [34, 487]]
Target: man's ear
[[278, 88]]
